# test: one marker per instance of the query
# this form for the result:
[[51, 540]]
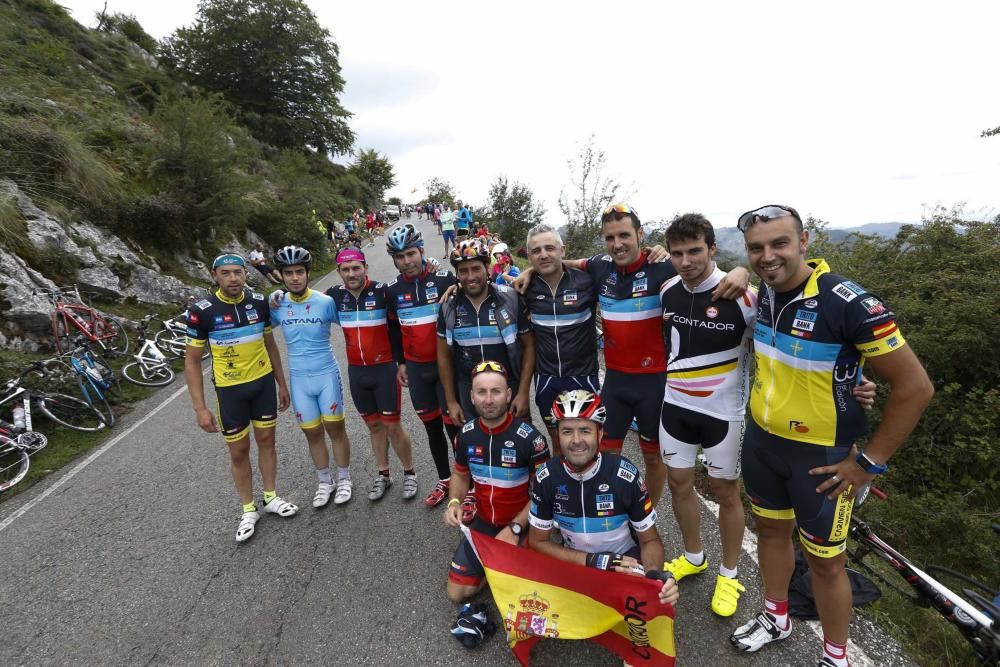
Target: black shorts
[[265, 269], [548, 387], [466, 570], [375, 391], [777, 480], [632, 395], [426, 392], [240, 405]]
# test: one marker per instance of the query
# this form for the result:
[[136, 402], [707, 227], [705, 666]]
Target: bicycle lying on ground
[[151, 367], [68, 411], [72, 315], [16, 447], [976, 616], [94, 377]]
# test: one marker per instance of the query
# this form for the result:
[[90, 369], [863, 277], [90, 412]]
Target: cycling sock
[[438, 446], [250, 507], [384, 473], [835, 653], [325, 476], [726, 572], [779, 610], [343, 473], [411, 471], [269, 496], [695, 559]]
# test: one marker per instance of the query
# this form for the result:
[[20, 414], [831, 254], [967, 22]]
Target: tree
[[513, 210], [273, 61], [376, 172], [127, 25], [440, 191], [590, 192], [394, 200]]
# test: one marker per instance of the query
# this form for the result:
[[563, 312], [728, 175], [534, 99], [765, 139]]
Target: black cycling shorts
[[426, 392], [375, 391], [239, 405], [466, 570], [548, 387], [632, 395], [777, 480]]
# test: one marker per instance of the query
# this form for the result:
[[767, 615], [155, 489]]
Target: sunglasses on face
[[766, 214]]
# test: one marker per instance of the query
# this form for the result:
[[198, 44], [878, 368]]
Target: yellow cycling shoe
[[681, 567], [726, 596]]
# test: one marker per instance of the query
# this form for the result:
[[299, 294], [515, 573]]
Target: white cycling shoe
[[345, 488], [247, 522], [757, 632], [281, 507], [323, 493]]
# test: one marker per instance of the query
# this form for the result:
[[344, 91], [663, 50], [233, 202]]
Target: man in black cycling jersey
[[598, 500], [814, 333], [236, 323], [500, 452]]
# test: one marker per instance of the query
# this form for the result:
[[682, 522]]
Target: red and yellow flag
[[540, 597]]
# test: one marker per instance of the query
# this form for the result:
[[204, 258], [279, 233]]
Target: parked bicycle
[[68, 411], [151, 367], [976, 616], [95, 385], [73, 316], [171, 339]]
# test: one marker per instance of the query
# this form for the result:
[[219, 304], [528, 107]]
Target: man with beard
[[499, 452]]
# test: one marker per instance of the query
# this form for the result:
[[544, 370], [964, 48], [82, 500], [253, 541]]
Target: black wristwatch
[[870, 466], [516, 528]]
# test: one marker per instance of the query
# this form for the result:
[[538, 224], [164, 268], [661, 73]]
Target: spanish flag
[[541, 597]]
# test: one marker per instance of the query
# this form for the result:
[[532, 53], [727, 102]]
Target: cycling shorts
[[426, 392], [466, 570], [265, 269], [683, 432], [318, 398], [448, 235], [239, 405], [547, 387], [778, 483], [632, 395], [375, 391]]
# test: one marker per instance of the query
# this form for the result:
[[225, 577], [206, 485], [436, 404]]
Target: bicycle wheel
[[170, 344], [110, 378], [110, 334], [98, 399], [70, 412], [14, 464], [148, 375]]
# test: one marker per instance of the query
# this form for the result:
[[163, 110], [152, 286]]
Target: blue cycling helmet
[[403, 237]]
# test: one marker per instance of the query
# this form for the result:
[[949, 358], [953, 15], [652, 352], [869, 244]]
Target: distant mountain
[[730, 240]]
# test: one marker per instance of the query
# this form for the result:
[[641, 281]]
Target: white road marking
[[856, 654]]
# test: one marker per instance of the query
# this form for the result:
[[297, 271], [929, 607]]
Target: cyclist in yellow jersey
[[236, 325], [813, 334]]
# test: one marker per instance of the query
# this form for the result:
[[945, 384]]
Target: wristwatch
[[870, 466], [516, 528]]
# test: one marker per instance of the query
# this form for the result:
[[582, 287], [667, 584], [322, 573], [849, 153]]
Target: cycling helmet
[[403, 237], [470, 249], [578, 404], [291, 255]]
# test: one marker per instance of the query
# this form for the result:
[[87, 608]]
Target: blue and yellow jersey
[[306, 322], [810, 353], [234, 330]]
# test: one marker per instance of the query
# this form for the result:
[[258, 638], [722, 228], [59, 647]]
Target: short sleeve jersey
[[234, 330], [414, 302], [305, 322], [564, 324], [365, 324], [479, 335], [594, 510], [810, 352], [631, 312], [501, 461]]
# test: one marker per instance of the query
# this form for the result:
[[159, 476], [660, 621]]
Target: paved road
[[130, 559]]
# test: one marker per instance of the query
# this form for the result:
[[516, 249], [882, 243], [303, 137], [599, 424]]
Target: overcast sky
[[853, 112]]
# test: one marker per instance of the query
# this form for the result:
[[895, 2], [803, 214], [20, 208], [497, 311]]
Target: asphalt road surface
[[128, 557]]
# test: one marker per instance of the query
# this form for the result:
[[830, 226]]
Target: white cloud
[[854, 112]]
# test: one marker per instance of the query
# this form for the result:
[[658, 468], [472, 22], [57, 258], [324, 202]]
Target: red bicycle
[[73, 317]]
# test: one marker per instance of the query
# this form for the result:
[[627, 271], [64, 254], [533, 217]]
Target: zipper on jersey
[[774, 346], [493, 510], [357, 329], [555, 328], [583, 508]]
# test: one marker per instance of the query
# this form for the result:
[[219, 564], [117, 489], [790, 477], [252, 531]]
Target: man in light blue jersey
[[317, 391]]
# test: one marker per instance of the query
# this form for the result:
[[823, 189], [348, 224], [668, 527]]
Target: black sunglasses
[[765, 214]]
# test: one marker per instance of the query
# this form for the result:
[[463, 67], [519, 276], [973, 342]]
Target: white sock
[[726, 572], [695, 559], [325, 476], [343, 473]]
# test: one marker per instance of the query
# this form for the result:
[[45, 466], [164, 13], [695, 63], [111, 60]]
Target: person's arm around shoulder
[[733, 285]]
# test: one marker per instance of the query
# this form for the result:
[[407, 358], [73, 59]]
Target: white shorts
[[683, 433]]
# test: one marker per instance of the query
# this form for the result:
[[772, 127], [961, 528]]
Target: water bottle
[[19, 423]]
